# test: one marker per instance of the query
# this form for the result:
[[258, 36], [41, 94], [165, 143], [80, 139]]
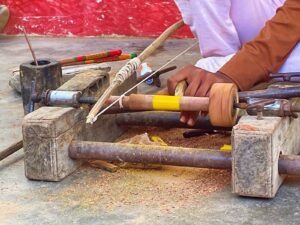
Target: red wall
[[93, 17]]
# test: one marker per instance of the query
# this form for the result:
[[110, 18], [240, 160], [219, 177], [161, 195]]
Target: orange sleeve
[[268, 51]]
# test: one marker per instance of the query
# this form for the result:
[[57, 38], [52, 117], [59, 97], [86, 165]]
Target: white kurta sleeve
[[213, 64], [211, 22]]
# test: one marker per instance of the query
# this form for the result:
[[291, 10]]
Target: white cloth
[[223, 26], [213, 63]]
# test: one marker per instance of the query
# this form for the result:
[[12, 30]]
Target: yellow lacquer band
[[164, 102], [226, 148]]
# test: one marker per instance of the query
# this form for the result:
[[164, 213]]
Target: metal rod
[[150, 154], [162, 119], [165, 155], [168, 69], [274, 93], [30, 47], [88, 99], [277, 77], [289, 164], [11, 149]]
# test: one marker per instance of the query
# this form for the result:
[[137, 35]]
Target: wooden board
[[90, 81]]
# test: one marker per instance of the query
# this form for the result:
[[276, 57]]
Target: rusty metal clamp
[[272, 107], [259, 106]]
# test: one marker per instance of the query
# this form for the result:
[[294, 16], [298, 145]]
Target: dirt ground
[[136, 186], [169, 195]]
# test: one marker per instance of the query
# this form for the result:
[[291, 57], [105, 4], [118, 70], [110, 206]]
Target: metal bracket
[[259, 106]]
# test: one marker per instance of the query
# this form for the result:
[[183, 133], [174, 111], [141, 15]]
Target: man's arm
[[269, 50], [253, 63]]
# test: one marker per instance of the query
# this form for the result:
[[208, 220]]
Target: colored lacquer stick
[[107, 59], [99, 55]]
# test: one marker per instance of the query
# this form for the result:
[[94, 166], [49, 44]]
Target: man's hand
[[199, 84]]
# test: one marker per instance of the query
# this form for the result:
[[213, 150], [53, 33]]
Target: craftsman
[[237, 44]]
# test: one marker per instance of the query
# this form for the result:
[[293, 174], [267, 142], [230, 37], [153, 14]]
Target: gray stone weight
[[47, 75], [14, 81]]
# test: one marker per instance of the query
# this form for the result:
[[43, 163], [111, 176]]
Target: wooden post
[[257, 145]]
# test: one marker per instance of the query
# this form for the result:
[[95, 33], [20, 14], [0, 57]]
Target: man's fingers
[[173, 81], [193, 87], [193, 118], [189, 118], [179, 76], [203, 90], [184, 117]]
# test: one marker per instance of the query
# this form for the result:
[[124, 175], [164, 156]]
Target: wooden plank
[[86, 80], [57, 120]]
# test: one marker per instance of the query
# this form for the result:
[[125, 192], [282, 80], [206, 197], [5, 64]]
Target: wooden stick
[[11, 149], [92, 117], [30, 47], [180, 88], [160, 40], [104, 165], [162, 103]]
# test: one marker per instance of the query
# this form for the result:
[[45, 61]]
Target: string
[[146, 78], [126, 71]]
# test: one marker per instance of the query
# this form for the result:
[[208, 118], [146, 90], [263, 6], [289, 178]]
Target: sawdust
[[166, 189], [173, 137]]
